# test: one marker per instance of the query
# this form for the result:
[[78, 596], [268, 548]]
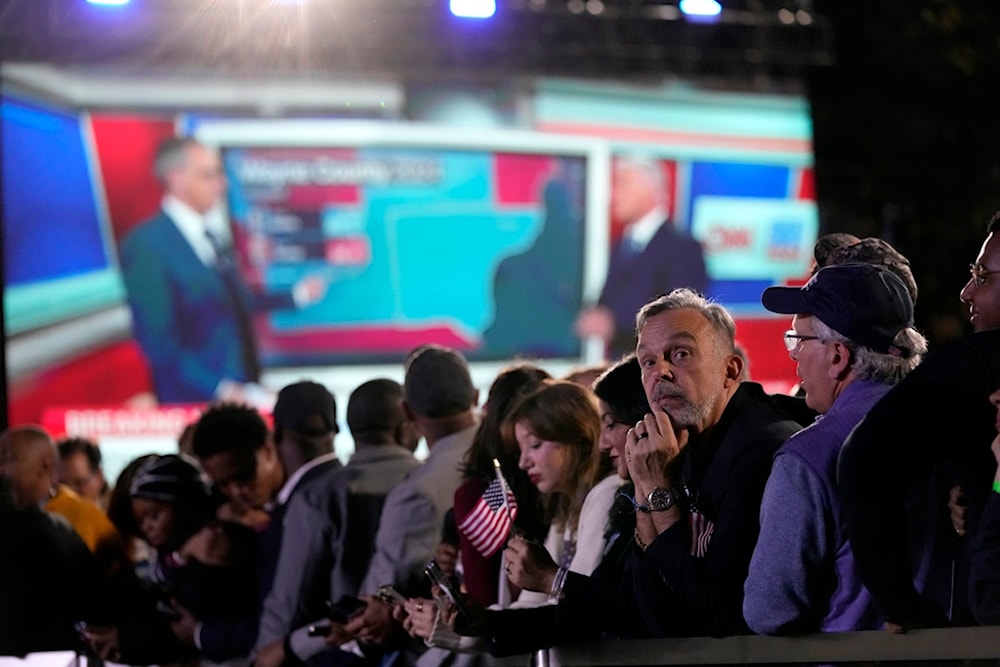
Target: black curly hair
[[229, 427]]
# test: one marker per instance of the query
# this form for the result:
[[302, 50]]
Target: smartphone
[[318, 630], [390, 595], [344, 609], [434, 573]]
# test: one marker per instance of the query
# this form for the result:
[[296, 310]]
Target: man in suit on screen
[[191, 309], [652, 257]]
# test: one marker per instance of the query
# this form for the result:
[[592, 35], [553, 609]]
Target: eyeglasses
[[793, 339], [979, 274]]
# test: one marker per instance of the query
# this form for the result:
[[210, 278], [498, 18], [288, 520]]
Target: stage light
[[108, 2], [701, 8], [474, 9]]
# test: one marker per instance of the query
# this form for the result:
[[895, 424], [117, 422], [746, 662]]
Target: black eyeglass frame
[[979, 274], [792, 339]]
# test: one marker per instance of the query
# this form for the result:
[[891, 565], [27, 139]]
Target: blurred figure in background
[[652, 257], [80, 469], [201, 573], [48, 578], [439, 396], [236, 450], [191, 309], [826, 245], [876, 252], [31, 465], [120, 513], [585, 375], [305, 425], [328, 535]]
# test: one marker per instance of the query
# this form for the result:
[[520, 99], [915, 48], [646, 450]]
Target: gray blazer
[[410, 527], [328, 537]]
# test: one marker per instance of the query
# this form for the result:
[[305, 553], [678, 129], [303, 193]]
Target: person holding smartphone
[[440, 398], [200, 568], [556, 429]]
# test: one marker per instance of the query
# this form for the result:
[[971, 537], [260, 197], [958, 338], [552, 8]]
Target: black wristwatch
[[660, 499]]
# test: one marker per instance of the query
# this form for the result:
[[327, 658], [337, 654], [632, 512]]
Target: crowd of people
[[668, 497]]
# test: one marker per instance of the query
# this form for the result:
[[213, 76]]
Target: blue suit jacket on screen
[[671, 259], [184, 318]]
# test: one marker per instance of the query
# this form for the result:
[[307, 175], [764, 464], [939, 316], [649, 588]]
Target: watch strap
[[661, 499]]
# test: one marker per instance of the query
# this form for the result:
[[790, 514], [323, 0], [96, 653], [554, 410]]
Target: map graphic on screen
[[479, 250]]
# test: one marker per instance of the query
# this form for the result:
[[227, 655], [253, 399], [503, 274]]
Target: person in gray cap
[[852, 337], [439, 396]]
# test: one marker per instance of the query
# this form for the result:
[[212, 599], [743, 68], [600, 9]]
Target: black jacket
[[936, 420]]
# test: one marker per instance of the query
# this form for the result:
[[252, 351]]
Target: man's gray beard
[[692, 414]]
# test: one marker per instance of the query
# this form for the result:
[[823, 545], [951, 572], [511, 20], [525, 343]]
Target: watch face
[[661, 499]]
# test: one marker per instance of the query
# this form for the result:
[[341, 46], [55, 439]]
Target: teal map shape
[[435, 248]]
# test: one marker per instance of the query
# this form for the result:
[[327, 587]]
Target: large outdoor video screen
[[489, 241]]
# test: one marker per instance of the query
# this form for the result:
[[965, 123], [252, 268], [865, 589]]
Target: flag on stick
[[488, 524]]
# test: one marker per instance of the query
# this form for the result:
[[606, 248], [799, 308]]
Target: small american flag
[[701, 533], [488, 524]]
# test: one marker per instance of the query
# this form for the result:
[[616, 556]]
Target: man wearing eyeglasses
[[937, 423], [982, 292], [852, 338]]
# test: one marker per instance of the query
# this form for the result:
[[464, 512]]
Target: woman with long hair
[[621, 402], [480, 555], [555, 429]]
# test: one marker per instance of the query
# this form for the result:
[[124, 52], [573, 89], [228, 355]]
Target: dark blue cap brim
[[784, 300]]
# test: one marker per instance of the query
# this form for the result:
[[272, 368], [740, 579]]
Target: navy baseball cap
[[867, 304]]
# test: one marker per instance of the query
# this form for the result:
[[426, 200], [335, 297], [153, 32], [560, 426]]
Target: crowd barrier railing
[[961, 644]]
